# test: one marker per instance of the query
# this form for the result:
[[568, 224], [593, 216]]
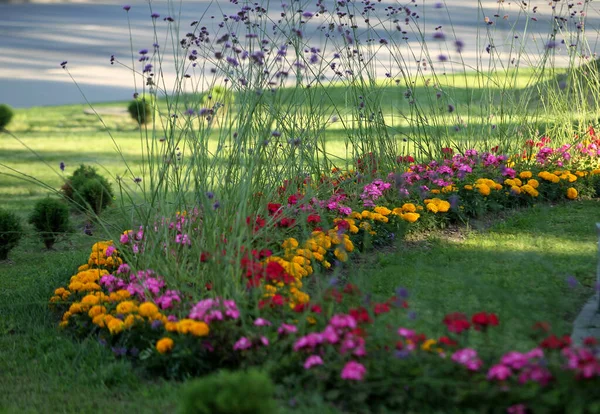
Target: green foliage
[[10, 232], [141, 109], [88, 189], [249, 392], [50, 217], [6, 114]]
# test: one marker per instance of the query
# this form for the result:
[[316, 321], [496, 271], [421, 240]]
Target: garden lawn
[[518, 266], [529, 265]]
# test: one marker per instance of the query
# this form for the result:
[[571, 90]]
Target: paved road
[[35, 36]]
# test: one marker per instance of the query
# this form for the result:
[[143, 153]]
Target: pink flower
[[110, 250], [517, 409], [468, 358], [312, 360], [353, 371], [286, 329], [330, 335], [499, 372], [261, 322], [242, 343], [406, 333], [341, 321], [124, 238], [264, 341]]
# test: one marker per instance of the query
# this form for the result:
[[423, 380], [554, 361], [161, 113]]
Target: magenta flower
[[242, 343], [110, 250], [499, 372], [353, 371], [517, 409], [261, 322], [286, 329], [468, 358], [312, 361]]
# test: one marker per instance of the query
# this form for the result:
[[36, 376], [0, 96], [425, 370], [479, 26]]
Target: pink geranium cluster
[[143, 285], [468, 358], [583, 361], [529, 366], [217, 309], [341, 332], [373, 191]]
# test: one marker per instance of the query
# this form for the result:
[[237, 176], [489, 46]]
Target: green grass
[[517, 268]]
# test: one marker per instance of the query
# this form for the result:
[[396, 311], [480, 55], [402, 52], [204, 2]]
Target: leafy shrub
[[141, 109], [227, 392], [10, 232], [88, 189], [6, 114], [50, 218]]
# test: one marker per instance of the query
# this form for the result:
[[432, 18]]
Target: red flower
[[590, 340], [204, 256], [276, 273], [444, 340], [360, 315], [494, 149], [208, 286], [273, 208], [456, 322], [381, 308], [404, 159], [343, 225], [316, 308], [293, 199], [313, 218], [351, 289], [447, 151], [554, 342], [286, 222], [482, 320]]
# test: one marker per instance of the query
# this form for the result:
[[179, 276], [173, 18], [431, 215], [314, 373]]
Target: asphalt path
[[36, 36]]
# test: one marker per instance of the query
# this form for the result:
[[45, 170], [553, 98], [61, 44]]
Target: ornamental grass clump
[[10, 232], [88, 190], [6, 114], [50, 217], [241, 392], [141, 109]]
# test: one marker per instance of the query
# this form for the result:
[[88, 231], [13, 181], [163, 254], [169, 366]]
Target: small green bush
[[240, 392], [141, 109], [50, 217], [88, 189], [6, 114], [10, 232]]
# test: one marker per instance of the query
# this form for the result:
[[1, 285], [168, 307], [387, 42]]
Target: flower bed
[[355, 350]]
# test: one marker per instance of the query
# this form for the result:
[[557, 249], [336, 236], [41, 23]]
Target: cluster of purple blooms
[[144, 285]]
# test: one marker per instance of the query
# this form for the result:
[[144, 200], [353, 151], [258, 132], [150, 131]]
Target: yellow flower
[[571, 193], [318, 256], [483, 189], [184, 325], [96, 310], [63, 324], [126, 307], [525, 175], [435, 191], [341, 255], [75, 308], [468, 187], [509, 182], [384, 211], [129, 321], [148, 309], [326, 264], [115, 326], [410, 217], [515, 189], [83, 268], [432, 207], [164, 345], [533, 183], [409, 208], [290, 243], [199, 329], [426, 346], [348, 245]]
